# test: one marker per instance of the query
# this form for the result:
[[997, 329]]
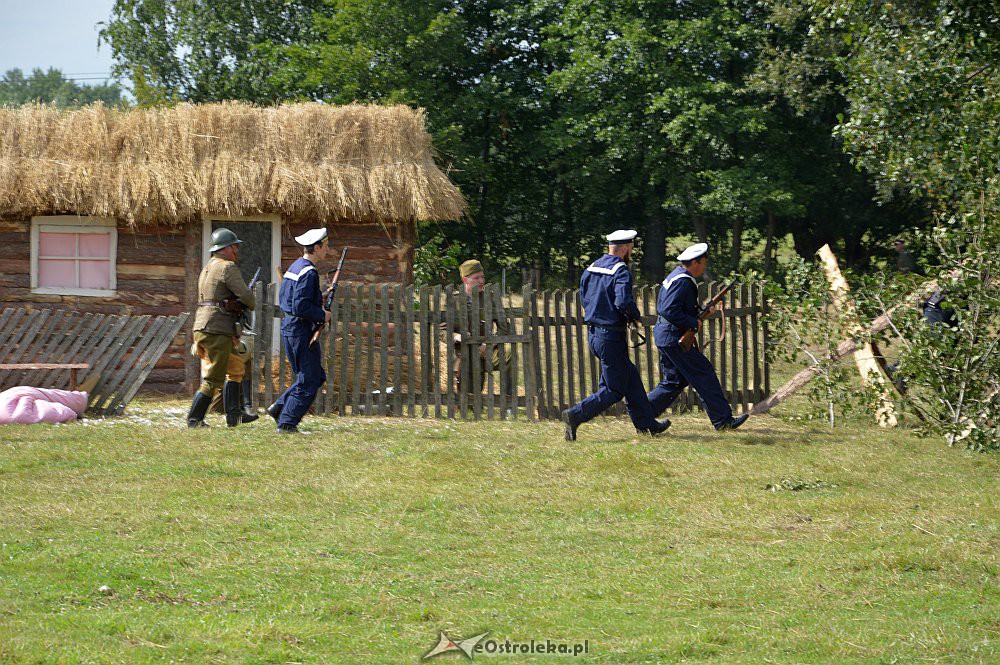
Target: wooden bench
[[72, 367]]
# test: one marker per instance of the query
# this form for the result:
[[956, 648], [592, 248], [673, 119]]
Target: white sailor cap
[[311, 237], [621, 237], [694, 252]]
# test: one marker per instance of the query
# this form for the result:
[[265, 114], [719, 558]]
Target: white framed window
[[74, 256]]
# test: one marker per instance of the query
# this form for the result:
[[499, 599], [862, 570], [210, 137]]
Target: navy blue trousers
[[619, 380], [306, 362], [678, 370]]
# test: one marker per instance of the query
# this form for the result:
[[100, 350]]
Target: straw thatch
[[350, 163]]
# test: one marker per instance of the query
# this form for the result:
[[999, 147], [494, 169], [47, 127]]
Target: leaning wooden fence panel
[[122, 350], [437, 352]]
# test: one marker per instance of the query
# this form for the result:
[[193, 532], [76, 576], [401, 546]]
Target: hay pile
[[350, 163]]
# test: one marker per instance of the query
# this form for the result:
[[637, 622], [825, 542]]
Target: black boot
[[659, 427], [249, 413], [231, 402], [571, 424], [199, 406], [274, 411], [733, 423]]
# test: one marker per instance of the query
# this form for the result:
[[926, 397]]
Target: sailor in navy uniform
[[301, 299], [606, 294], [677, 309]]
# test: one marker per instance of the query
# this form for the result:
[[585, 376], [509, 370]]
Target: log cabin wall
[[151, 279], [379, 253]]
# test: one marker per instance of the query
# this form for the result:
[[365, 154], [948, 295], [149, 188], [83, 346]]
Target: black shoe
[[248, 414], [571, 425], [288, 429], [733, 423], [199, 407], [660, 427], [274, 411]]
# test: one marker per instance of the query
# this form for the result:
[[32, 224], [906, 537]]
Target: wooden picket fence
[[122, 349], [385, 352]]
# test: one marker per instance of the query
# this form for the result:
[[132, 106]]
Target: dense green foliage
[[559, 119], [923, 84], [51, 87]]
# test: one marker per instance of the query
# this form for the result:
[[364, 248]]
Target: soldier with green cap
[[474, 280], [222, 295]]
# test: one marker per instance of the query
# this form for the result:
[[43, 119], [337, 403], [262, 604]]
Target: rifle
[[245, 321], [330, 292], [688, 338]]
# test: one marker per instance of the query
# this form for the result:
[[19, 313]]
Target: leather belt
[[210, 303], [608, 328]]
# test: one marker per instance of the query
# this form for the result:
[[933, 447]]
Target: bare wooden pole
[[864, 355]]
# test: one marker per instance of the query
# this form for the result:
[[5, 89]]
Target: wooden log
[[384, 351], [490, 310], [345, 292], [369, 374], [845, 347], [472, 355], [398, 342], [559, 324], [465, 372], [864, 356], [411, 359], [436, 316], [451, 311], [426, 360], [552, 409]]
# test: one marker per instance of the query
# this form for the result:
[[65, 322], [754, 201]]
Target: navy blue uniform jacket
[[301, 299], [606, 293], [677, 307]]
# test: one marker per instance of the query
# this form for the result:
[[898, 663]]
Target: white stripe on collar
[[292, 276], [669, 281], [607, 271]]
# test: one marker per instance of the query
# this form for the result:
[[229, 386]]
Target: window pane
[[95, 274], [95, 244], [57, 244], [56, 273]]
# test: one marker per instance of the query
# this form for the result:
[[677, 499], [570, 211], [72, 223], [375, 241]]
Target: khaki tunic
[[220, 279], [500, 322]]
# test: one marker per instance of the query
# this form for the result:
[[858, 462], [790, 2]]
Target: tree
[[51, 87], [923, 84]]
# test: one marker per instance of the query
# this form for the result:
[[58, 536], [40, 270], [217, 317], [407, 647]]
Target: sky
[[55, 33]]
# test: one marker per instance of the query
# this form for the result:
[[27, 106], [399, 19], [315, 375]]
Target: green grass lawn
[[358, 541]]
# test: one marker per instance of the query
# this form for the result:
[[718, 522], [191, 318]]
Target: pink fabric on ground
[[24, 405]]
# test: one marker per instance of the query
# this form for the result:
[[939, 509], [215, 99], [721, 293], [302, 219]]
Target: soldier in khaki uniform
[[221, 291], [474, 279]]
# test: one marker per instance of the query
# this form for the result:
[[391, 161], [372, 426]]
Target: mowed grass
[[359, 541]]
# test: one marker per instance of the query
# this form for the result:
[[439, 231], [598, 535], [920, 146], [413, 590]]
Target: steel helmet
[[222, 238]]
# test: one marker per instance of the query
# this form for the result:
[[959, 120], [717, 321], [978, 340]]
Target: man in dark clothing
[[609, 308], [301, 299], [677, 309]]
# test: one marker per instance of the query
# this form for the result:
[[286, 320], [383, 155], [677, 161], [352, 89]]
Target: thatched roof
[[170, 165]]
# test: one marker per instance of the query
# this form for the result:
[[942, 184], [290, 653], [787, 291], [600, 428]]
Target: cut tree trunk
[[864, 355]]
